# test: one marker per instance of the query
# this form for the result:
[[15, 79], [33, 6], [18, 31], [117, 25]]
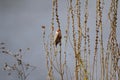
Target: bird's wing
[[56, 36]]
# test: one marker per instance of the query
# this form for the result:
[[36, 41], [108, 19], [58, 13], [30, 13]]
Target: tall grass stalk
[[103, 63]]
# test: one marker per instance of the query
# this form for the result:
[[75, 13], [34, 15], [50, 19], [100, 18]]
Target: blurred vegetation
[[104, 63], [18, 67]]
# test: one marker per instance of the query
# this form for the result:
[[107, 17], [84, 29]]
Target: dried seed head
[[43, 27], [2, 43], [20, 50]]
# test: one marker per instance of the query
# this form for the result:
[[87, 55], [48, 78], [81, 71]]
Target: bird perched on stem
[[58, 36]]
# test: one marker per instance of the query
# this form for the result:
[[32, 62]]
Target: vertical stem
[[23, 70], [60, 57], [88, 40], [61, 69], [101, 40], [74, 39], [57, 17], [79, 35], [96, 40]]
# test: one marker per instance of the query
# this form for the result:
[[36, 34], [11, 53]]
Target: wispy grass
[[19, 68], [104, 62]]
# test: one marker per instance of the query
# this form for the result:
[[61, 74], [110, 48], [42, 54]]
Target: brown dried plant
[[82, 59], [22, 69]]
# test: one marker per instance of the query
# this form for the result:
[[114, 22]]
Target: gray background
[[20, 27]]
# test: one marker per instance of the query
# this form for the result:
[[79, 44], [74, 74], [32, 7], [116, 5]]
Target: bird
[[57, 37]]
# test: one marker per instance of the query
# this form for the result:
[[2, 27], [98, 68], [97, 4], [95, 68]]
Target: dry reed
[[109, 68]]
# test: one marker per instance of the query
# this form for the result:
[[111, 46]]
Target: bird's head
[[58, 30]]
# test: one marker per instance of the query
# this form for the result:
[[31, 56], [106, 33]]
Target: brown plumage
[[58, 37]]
